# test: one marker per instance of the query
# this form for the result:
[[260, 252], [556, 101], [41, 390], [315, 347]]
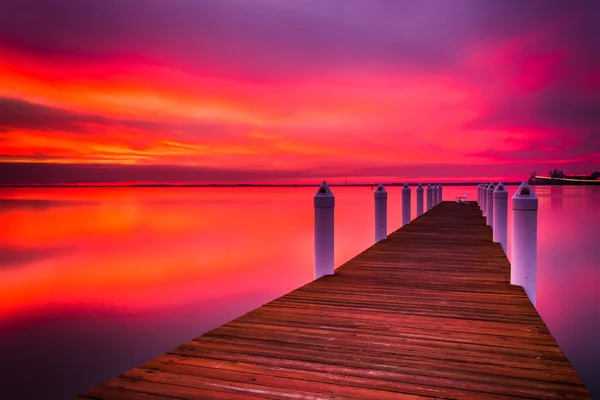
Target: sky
[[297, 90]]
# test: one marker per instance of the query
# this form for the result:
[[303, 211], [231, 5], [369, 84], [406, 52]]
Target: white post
[[501, 215], [406, 204], [481, 205], [479, 195], [489, 205], [324, 205], [439, 194], [429, 191], [484, 199], [524, 240], [435, 195], [380, 213], [419, 200]]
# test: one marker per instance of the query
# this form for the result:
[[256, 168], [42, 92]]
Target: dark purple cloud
[[279, 39], [19, 114], [41, 173], [47, 174], [565, 116], [16, 114]]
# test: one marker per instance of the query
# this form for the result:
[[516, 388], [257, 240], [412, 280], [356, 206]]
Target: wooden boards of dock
[[427, 313]]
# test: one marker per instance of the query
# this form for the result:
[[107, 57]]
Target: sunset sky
[[297, 90]]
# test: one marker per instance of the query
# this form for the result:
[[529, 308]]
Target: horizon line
[[130, 185]]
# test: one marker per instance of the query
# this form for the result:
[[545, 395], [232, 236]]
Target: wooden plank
[[427, 313]]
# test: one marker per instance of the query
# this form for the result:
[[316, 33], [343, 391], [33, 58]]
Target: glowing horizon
[[297, 92]]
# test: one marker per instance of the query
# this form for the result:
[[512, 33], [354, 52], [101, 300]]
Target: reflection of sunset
[[214, 253], [132, 249], [68, 223]]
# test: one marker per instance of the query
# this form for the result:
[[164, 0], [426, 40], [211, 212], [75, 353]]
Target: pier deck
[[429, 312]]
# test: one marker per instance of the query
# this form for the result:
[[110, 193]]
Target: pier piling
[[500, 213], [524, 240], [429, 197], [406, 204], [489, 205], [380, 196], [419, 200], [484, 199], [324, 203]]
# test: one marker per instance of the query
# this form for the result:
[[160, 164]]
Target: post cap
[[500, 192], [419, 186], [500, 187], [524, 198], [324, 190], [380, 192], [324, 196], [491, 187], [406, 188]]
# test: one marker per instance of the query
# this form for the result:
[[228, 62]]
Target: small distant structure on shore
[[558, 177]]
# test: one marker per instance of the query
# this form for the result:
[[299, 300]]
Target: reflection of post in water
[[556, 196]]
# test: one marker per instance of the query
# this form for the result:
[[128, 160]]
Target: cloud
[[48, 174], [21, 114], [41, 173], [326, 84], [17, 114], [274, 40]]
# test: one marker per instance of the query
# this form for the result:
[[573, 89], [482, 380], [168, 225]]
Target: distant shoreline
[[249, 185]]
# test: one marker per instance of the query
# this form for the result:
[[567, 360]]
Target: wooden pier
[[427, 313]]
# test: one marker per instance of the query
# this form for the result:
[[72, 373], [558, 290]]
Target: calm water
[[96, 281]]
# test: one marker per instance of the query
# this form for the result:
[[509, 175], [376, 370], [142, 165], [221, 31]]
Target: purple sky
[[248, 90]]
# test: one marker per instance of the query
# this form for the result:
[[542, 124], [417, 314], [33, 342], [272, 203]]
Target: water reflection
[[17, 256], [114, 277], [556, 197]]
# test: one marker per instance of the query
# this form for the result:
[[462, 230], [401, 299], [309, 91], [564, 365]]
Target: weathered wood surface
[[429, 312]]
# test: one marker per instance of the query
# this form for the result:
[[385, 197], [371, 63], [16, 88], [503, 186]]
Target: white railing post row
[[381, 196], [440, 194], [429, 194], [523, 271], [406, 204], [419, 200], [501, 216], [484, 199], [324, 202], [489, 205]]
